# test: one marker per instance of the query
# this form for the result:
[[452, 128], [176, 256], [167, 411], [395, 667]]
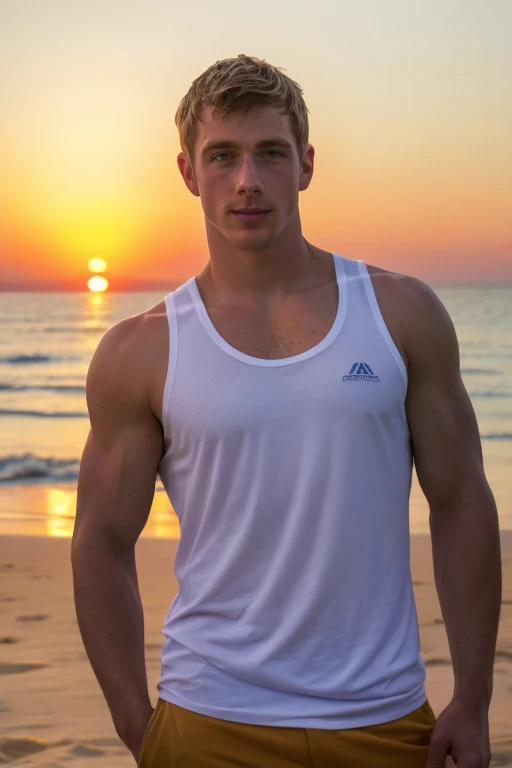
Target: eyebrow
[[277, 142]]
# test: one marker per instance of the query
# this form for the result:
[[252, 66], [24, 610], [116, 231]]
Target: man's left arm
[[463, 517]]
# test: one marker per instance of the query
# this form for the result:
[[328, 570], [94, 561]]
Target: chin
[[250, 241], [252, 244]]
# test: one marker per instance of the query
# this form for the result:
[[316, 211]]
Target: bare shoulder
[[415, 316], [129, 365], [120, 461]]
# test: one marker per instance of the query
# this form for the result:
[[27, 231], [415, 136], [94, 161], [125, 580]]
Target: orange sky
[[410, 116]]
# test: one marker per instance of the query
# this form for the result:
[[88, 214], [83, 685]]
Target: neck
[[289, 264]]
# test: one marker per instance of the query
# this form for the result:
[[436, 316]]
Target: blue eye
[[221, 157]]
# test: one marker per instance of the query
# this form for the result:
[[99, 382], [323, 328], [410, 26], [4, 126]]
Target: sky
[[410, 117]]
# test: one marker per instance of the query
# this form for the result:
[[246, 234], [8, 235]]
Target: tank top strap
[[356, 312]]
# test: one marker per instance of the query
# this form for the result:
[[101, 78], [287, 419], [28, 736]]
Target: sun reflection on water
[[59, 515], [60, 511], [38, 510]]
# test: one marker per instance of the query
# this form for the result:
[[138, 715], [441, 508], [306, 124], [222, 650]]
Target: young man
[[282, 395]]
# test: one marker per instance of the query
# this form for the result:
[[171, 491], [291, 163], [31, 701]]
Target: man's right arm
[[116, 486]]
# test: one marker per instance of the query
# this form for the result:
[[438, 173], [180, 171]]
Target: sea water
[[46, 344]]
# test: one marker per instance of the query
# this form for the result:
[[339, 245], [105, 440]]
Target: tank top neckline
[[219, 340]]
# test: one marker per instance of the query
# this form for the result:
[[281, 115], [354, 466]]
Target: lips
[[249, 216], [250, 210]]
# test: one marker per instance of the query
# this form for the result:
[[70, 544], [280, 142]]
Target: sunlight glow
[[97, 265], [60, 511], [97, 283]]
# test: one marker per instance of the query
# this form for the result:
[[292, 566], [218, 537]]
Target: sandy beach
[[52, 713]]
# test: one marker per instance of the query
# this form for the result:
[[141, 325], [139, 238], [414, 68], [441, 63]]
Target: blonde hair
[[233, 85]]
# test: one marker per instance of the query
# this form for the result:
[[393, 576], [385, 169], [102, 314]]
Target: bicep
[[116, 487], [444, 430], [445, 439], [120, 460]]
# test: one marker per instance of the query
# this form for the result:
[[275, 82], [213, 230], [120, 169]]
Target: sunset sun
[[97, 265], [97, 284]]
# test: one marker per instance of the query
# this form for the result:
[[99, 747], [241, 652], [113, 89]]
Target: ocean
[[47, 341]]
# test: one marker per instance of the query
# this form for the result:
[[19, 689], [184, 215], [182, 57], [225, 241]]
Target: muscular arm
[[115, 490], [463, 516]]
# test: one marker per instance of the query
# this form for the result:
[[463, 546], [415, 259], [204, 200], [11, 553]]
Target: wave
[[27, 359], [497, 436], [29, 467], [44, 414], [42, 388], [480, 372], [490, 394], [74, 329]]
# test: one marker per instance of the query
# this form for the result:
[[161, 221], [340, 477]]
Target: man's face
[[247, 162]]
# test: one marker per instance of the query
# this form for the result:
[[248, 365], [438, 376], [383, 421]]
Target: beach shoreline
[[53, 711]]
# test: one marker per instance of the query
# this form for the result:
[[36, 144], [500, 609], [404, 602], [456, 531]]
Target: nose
[[248, 179]]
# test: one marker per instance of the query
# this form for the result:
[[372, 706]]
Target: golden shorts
[[178, 738]]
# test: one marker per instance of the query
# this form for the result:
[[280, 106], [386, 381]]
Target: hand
[[135, 735], [462, 731]]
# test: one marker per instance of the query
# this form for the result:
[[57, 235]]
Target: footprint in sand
[[86, 750], [7, 640], [502, 757], [20, 667], [16, 749], [33, 617], [5, 567]]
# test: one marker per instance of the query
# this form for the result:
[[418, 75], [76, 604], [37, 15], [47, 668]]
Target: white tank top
[[291, 481]]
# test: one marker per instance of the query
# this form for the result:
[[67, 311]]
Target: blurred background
[[411, 118]]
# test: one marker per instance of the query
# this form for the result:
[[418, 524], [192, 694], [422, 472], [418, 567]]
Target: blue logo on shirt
[[361, 372]]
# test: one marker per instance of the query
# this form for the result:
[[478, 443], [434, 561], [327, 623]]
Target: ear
[[306, 168], [187, 171]]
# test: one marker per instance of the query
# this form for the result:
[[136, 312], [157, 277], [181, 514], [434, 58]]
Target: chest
[[349, 388], [294, 327]]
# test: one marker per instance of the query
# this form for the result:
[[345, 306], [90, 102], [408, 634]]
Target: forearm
[[111, 622], [467, 569]]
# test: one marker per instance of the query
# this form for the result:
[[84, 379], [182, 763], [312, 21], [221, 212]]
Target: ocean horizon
[[157, 286]]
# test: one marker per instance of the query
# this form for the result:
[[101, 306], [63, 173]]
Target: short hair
[[233, 85]]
